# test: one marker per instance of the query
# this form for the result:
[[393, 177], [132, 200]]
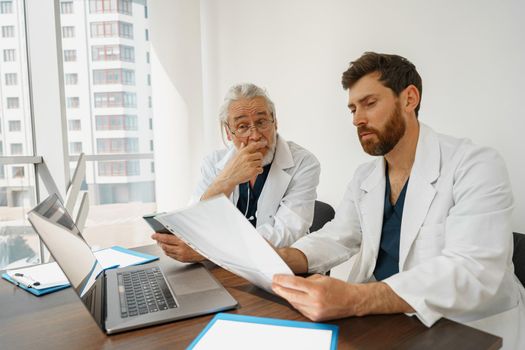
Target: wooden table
[[59, 321]]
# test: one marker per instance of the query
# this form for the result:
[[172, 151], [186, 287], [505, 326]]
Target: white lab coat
[[455, 255], [286, 205]]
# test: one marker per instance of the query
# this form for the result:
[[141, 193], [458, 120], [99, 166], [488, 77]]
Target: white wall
[[469, 53]]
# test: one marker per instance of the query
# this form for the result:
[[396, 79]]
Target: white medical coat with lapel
[[285, 207], [455, 253]]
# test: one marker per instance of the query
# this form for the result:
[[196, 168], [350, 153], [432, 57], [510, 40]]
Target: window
[[113, 76], [17, 171], [150, 102], [8, 31], [11, 79], [149, 79], [118, 145], [115, 99], [74, 125], [6, 7], [66, 7], [9, 55], [124, 7], [12, 102], [75, 147], [147, 57], [2, 172], [71, 79], [70, 55], [15, 125], [16, 149], [119, 168], [111, 29], [147, 35], [111, 6], [68, 32], [116, 122], [113, 53], [72, 102], [151, 145], [1, 149], [125, 30], [152, 166]]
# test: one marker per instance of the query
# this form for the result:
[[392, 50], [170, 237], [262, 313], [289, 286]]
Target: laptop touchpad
[[190, 281]]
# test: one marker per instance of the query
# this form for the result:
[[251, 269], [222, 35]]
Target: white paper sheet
[[218, 231], [232, 335]]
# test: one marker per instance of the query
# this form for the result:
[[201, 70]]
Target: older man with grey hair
[[272, 181]]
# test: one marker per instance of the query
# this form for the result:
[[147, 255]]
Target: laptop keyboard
[[143, 291]]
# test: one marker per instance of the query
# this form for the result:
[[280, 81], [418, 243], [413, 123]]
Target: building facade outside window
[[74, 125], [66, 7], [71, 79], [13, 103], [17, 149], [8, 31], [68, 32], [6, 7], [15, 125], [70, 55], [116, 122], [75, 147], [11, 79], [72, 102], [9, 55]]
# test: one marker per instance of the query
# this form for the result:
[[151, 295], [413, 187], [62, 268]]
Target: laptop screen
[[61, 236]]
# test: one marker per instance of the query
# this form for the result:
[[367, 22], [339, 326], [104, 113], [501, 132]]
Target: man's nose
[[359, 118], [255, 134]]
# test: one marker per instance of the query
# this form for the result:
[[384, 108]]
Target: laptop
[[131, 297]]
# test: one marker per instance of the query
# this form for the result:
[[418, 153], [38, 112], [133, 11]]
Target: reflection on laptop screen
[[58, 231]]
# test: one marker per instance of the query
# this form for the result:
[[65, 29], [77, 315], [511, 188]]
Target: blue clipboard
[[268, 321], [34, 291]]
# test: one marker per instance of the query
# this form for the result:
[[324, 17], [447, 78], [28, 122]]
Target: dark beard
[[388, 139]]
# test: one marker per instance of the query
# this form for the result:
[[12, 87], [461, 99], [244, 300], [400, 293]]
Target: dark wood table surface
[[60, 321]]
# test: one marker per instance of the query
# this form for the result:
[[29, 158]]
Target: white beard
[[268, 158]]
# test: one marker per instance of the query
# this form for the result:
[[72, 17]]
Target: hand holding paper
[[218, 231]]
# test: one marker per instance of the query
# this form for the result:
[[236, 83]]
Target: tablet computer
[[154, 224]]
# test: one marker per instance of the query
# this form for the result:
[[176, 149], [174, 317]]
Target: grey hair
[[243, 91]]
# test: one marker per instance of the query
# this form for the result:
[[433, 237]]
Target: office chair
[[518, 258], [323, 212]]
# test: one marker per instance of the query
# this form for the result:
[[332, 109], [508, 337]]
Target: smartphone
[[154, 224]]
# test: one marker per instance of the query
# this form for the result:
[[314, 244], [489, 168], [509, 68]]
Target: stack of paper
[[46, 278], [218, 231]]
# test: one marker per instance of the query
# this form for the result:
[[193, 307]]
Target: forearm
[[295, 259], [220, 185], [378, 298]]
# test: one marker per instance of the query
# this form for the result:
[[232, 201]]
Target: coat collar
[[421, 190]]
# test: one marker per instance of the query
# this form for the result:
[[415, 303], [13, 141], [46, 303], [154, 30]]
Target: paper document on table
[[218, 231], [233, 332]]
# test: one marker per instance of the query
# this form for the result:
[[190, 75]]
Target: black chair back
[[323, 212], [518, 258]]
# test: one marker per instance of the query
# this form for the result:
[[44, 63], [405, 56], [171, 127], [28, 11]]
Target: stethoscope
[[248, 207]]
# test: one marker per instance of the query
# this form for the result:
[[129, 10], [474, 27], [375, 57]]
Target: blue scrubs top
[[248, 196], [388, 258]]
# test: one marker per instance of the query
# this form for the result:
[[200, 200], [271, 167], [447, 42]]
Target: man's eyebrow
[[239, 117], [361, 100]]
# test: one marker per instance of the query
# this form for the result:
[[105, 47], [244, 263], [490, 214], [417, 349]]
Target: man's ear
[[411, 98], [228, 135]]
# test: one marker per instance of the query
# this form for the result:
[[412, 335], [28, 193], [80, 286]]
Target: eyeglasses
[[244, 129]]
